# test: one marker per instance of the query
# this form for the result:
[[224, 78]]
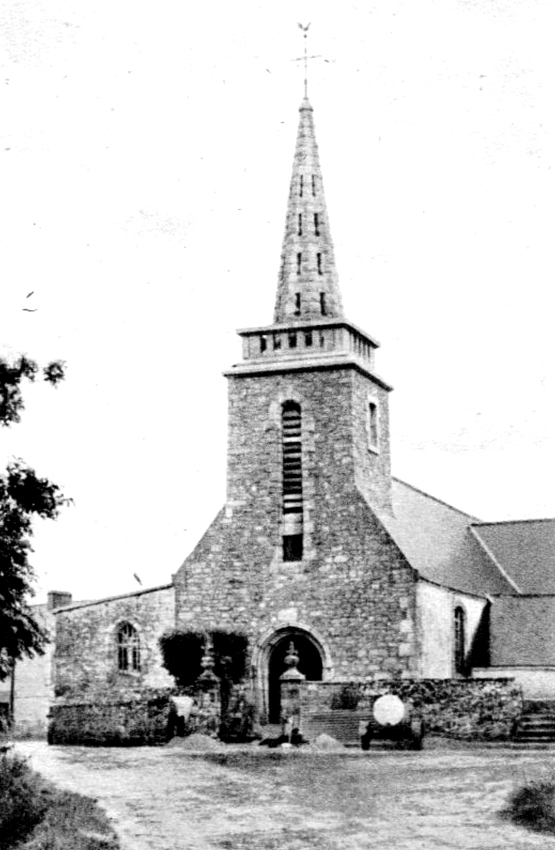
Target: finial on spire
[[304, 28]]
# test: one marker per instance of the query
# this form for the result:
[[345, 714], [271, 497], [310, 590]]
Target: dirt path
[[167, 799]]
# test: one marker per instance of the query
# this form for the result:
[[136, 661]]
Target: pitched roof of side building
[[525, 549]]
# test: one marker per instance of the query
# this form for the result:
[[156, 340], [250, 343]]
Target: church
[[317, 544]]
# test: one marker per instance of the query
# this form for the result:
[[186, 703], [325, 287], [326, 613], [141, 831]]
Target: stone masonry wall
[[33, 683], [353, 586], [85, 659], [372, 469], [143, 720], [485, 709]]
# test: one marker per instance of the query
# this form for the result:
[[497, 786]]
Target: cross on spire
[[305, 57]]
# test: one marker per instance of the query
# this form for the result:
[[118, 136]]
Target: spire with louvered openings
[[307, 286]]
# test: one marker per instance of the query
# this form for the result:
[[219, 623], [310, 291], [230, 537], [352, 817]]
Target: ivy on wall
[[182, 652]]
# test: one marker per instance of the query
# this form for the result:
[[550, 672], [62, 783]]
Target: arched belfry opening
[[312, 664]]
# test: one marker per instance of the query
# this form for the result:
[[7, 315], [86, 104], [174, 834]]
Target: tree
[[23, 497]]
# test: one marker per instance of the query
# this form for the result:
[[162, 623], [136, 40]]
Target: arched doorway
[[310, 664]]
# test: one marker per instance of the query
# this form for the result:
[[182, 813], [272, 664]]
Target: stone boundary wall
[[467, 709], [106, 722]]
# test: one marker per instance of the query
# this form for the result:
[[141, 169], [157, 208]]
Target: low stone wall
[[106, 722], [467, 709]]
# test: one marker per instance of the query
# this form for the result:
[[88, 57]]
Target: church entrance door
[[310, 664]]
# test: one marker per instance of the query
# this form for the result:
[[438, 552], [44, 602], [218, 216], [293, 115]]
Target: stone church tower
[[299, 551], [374, 581]]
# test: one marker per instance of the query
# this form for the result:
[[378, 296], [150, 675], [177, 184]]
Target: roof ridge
[[112, 598], [436, 499], [515, 521], [493, 559]]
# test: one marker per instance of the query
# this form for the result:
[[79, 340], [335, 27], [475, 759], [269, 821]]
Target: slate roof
[[525, 549], [439, 543]]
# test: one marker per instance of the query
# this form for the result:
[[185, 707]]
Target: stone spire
[[307, 286]]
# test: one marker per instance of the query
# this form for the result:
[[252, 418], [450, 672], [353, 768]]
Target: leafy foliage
[[182, 652], [24, 496], [22, 800], [533, 805], [36, 816], [12, 376], [181, 655], [230, 654], [347, 697]]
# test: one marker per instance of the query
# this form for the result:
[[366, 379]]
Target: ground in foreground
[[168, 799]]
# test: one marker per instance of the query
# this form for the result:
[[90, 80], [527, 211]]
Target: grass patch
[[533, 805], [34, 815]]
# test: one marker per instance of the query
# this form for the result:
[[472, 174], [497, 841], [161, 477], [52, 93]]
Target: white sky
[[145, 154]]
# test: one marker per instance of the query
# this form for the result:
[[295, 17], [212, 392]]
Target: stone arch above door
[[314, 657]]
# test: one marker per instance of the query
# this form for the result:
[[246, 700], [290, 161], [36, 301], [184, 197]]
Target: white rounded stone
[[388, 710]]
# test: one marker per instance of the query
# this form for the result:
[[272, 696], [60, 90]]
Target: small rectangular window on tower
[[297, 303], [292, 340], [308, 339], [300, 228], [301, 186], [319, 263], [314, 185], [292, 547], [276, 341], [263, 344], [323, 309], [316, 224], [373, 430], [299, 262]]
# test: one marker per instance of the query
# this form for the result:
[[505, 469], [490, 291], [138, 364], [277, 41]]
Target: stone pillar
[[208, 698], [290, 681]]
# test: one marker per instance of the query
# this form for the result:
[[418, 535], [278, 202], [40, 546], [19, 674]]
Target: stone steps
[[537, 724]]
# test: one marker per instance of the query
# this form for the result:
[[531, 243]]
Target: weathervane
[[306, 57]]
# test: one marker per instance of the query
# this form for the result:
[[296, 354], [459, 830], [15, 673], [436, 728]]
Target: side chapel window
[[459, 640], [128, 648]]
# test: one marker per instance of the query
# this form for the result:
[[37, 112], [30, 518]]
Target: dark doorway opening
[[310, 664]]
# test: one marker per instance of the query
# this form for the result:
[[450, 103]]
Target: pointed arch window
[[292, 481], [128, 648], [459, 628]]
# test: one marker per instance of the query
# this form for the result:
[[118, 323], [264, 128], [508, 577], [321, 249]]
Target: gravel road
[[168, 799]]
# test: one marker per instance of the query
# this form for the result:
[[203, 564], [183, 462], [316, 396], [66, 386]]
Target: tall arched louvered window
[[128, 647], [292, 481], [459, 641]]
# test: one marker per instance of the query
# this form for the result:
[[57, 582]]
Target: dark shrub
[[533, 805], [182, 653], [23, 800], [347, 698], [230, 655]]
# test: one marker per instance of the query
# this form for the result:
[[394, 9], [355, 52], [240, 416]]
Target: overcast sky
[[145, 154]]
